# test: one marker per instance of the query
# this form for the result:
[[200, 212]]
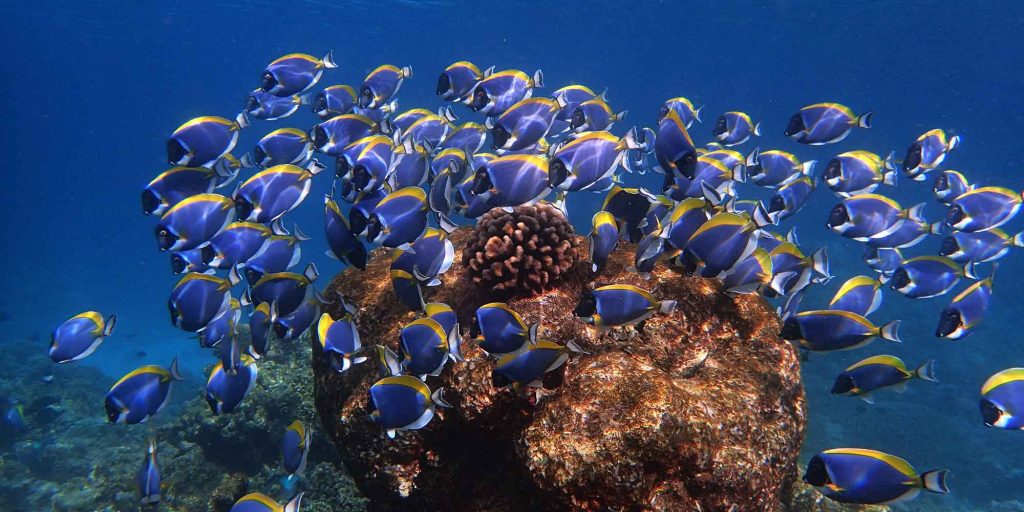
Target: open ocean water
[[93, 89]]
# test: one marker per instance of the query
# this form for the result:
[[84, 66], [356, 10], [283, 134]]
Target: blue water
[[92, 90]]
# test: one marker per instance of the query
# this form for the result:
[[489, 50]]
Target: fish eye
[[357, 221], [913, 159], [990, 413], [949, 246], [687, 165], [360, 177], [834, 169], [259, 155], [838, 216], [252, 275], [795, 125], [586, 307], [365, 96], [267, 81], [817, 474], [443, 84], [320, 104], [341, 167]]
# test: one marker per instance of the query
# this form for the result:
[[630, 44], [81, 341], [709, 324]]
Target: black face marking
[[941, 184], [243, 208], [252, 104], [252, 276], [838, 216], [791, 330], [319, 136], [587, 307], [949, 246], [949, 322], [913, 159], [341, 167], [990, 413], [164, 238], [260, 156], [361, 177], [900, 279], [479, 100], [176, 152], [721, 127], [150, 202], [499, 380], [357, 221], [577, 119], [178, 264], [662, 112], [481, 182], [320, 105], [777, 204], [844, 384], [817, 474], [795, 125], [557, 173], [444, 84], [113, 410], [686, 165], [834, 170], [365, 96], [500, 136], [954, 215]]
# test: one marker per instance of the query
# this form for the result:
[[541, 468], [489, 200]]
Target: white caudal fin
[[953, 143], [406, 71], [926, 371], [538, 79], [328, 61], [299, 235], [242, 120], [864, 120], [890, 331], [174, 371], [757, 129], [935, 481], [311, 273], [294, 504], [247, 161], [666, 306], [753, 157]]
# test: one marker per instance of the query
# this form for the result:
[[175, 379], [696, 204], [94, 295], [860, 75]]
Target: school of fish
[[404, 179]]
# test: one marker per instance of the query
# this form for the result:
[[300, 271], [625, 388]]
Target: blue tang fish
[[382, 84], [683, 221], [295, 448], [683, 108], [193, 260], [430, 129], [859, 172], [261, 320], [631, 207], [222, 326], [278, 253], [1002, 400], [193, 222], [410, 165], [398, 219], [722, 241], [588, 159], [867, 216], [594, 115], [273, 192], [202, 141], [148, 476], [861, 295], [908, 233], [570, 97], [430, 256], [793, 270], [826, 330], [281, 146], [929, 276], [512, 180], [427, 347], [493, 95], [285, 289], [343, 244], [403, 121], [256, 502], [856, 475], [979, 246], [224, 391], [79, 336], [458, 79], [294, 73], [407, 288], [403, 403], [198, 298], [332, 136], [469, 137], [266, 106], [617, 305], [790, 198], [983, 208], [928, 152], [523, 124], [734, 128], [238, 242], [604, 238], [877, 372], [824, 123], [140, 394], [339, 340], [966, 311], [334, 101], [502, 330], [291, 326], [751, 273], [370, 167], [177, 184], [949, 185], [673, 147], [525, 369], [774, 168], [456, 161]]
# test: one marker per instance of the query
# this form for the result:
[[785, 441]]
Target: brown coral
[[527, 250]]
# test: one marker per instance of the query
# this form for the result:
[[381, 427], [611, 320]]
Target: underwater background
[[92, 91]]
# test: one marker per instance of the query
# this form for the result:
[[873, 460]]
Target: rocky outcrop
[[702, 409]]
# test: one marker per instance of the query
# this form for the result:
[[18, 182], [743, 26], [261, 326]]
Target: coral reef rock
[[527, 249], [701, 409]]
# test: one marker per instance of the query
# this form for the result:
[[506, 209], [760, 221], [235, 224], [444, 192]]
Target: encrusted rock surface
[[702, 410], [525, 250]]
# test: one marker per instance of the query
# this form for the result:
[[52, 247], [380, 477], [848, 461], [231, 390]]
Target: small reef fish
[[824, 123], [266, 106], [294, 73], [179, 183], [334, 101], [683, 108], [928, 152], [618, 305], [856, 475], [339, 340], [493, 95], [604, 238], [502, 330], [273, 192], [202, 141], [877, 372], [193, 222], [1002, 400], [79, 336], [929, 276], [295, 449], [966, 311], [256, 502], [403, 403], [979, 246], [459, 79], [861, 295], [983, 208], [140, 394], [775, 168], [198, 298], [224, 391], [525, 369], [427, 347], [827, 330], [148, 477], [382, 84], [734, 128]]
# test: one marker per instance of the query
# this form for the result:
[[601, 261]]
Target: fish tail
[[739, 173], [406, 71], [328, 61], [538, 79], [970, 270], [666, 306], [926, 371], [1018, 239], [819, 262], [302, 99], [621, 115], [757, 129], [109, 327], [438, 398], [890, 331], [294, 504], [864, 120], [935, 481], [696, 114], [242, 120], [890, 177], [953, 143], [936, 228], [890, 161], [247, 161], [174, 371]]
